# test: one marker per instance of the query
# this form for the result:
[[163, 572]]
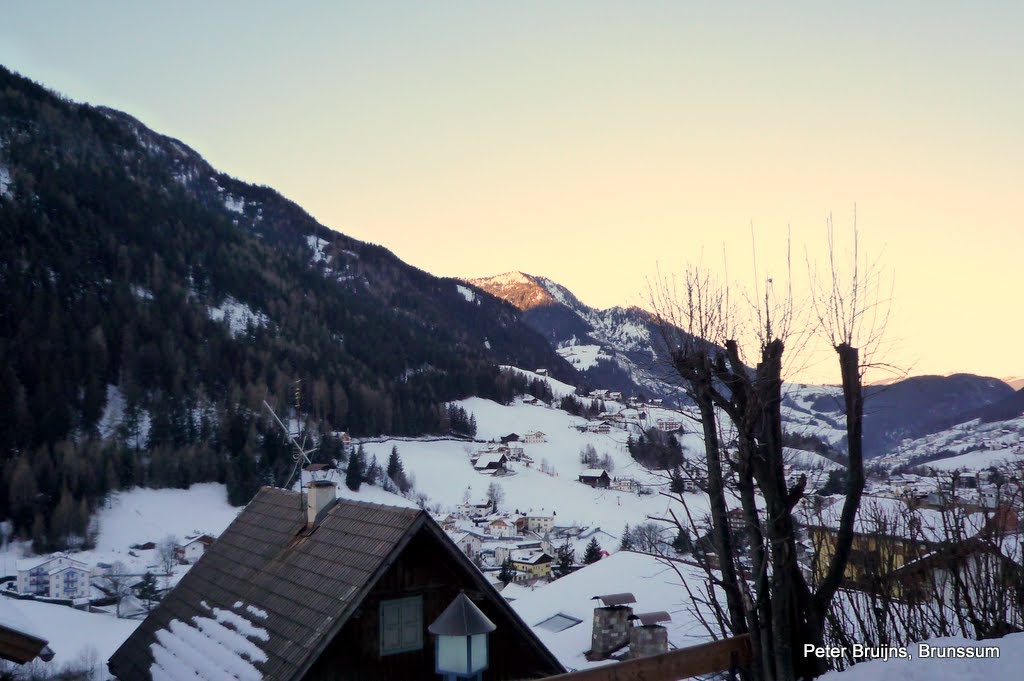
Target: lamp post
[[461, 640]]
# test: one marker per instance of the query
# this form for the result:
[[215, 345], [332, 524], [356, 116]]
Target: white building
[[55, 576], [535, 437], [193, 549]]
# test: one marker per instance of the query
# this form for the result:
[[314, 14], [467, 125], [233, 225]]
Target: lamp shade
[[461, 631], [461, 618]]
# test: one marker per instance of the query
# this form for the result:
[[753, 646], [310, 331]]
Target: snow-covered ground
[[443, 471], [1008, 665]]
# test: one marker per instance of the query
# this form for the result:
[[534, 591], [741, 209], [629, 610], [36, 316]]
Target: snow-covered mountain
[[618, 348]]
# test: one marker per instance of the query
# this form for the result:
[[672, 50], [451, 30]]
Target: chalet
[[55, 576], [194, 548], [541, 372], [511, 437], [500, 527], [595, 477], [535, 437], [318, 589], [536, 523], [599, 427], [491, 462]]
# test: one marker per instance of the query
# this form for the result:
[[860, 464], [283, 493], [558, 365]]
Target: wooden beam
[[706, 658]]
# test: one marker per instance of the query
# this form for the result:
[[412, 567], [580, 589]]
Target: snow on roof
[[654, 583], [12, 617], [594, 472], [894, 518], [224, 646], [488, 458]]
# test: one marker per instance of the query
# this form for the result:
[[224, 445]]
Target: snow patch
[[238, 316], [5, 183], [234, 205], [317, 245], [209, 648], [467, 293]]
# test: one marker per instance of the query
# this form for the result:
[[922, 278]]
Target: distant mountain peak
[[522, 290]]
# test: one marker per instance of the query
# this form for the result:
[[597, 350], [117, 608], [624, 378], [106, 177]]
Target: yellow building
[[536, 565]]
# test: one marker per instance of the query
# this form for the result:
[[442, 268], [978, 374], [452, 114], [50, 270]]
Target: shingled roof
[[283, 591]]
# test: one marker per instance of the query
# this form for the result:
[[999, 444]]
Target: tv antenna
[[301, 455]]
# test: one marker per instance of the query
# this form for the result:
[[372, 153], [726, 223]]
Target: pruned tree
[[167, 553], [738, 405], [118, 580]]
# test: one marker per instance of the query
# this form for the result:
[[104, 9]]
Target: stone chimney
[[611, 625], [320, 495], [648, 637]]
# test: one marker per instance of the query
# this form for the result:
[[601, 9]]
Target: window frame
[[403, 606]]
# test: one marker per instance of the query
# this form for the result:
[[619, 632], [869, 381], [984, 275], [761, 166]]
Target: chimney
[[611, 625], [648, 637], [321, 495]]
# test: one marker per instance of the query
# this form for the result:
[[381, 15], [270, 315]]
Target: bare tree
[[739, 405], [118, 579], [167, 553]]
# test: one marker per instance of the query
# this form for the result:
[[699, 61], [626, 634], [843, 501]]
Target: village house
[[491, 463], [470, 543], [314, 588], [473, 511], [533, 564], [55, 576], [535, 437], [602, 427], [595, 477], [668, 425], [193, 549], [500, 527], [536, 523]]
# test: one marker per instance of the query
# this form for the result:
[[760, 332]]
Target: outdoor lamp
[[461, 640]]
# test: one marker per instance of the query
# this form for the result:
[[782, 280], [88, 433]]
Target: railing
[[725, 655]]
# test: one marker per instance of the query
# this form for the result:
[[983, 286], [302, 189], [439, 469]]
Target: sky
[[598, 142]]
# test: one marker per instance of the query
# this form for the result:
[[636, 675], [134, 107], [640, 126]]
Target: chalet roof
[[594, 473], [20, 642], [489, 458], [287, 590]]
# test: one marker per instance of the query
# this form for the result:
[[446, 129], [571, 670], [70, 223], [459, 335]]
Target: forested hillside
[[151, 303]]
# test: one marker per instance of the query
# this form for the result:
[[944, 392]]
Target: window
[[559, 622], [401, 625]]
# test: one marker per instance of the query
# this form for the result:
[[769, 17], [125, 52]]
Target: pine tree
[[682, 543], [374, 473], [147, 590], [565, 558], [627, 539], [592, 554], [356, 469], [508, 573]]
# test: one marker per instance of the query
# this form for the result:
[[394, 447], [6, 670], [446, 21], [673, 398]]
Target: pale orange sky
[[590, 141]]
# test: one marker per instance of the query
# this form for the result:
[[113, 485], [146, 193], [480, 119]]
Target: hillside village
[[542, 498]]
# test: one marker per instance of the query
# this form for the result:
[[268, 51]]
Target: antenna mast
[[301, 455]]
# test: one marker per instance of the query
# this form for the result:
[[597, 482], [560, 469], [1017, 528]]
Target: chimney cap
[[649, 618], [322, 483], [610, 600]]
